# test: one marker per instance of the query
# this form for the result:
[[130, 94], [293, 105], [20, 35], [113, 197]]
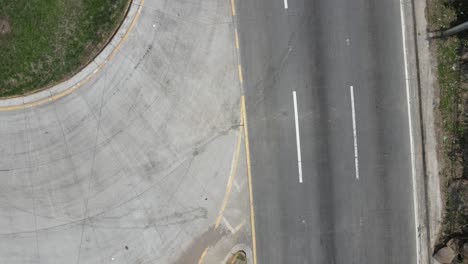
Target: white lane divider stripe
[[356, 156], [285, 4], [298, 139]]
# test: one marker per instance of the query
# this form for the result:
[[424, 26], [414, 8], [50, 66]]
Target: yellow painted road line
[[203, 255], [82, 82], [233, 7], [241, 79], [239, 226], [249, 174], [229, 186], [231, 177], [128, 31], [237, 39]]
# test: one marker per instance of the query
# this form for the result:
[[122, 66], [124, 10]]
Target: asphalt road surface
[[352, 203]]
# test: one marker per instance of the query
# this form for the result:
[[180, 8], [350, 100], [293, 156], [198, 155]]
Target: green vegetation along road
[[43, 42], [452, 73]]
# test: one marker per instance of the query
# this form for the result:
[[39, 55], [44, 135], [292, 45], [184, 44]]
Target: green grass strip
[[50, 40]]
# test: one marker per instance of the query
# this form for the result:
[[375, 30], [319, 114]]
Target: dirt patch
[[5, 27], [205, 240]]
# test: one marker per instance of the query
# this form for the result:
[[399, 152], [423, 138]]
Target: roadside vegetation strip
[[452, 116], [45, 42]]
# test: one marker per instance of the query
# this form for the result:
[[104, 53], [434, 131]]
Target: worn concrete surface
[[132, 166], [235, 222]]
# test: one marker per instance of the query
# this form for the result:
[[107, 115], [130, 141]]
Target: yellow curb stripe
[[239, 68], [237, 39], [125, 37], [249, 174], [82, 82], [202, 257], [233, 7], [231, 178], [234, 258]]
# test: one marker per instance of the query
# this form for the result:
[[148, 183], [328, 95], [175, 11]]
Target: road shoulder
[[421, 96], [428, 100]]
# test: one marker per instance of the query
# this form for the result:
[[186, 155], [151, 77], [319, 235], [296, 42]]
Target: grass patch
[[443, 14], [449, 82], [440, 15], [49, 40]]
